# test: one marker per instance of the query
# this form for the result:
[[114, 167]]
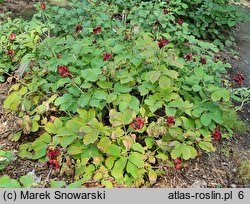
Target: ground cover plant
[[111, 94]]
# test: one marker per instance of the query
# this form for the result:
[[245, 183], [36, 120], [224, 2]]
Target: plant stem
[[47, 177]]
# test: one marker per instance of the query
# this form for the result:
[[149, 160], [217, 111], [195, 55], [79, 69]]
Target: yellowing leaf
[[136, 159]]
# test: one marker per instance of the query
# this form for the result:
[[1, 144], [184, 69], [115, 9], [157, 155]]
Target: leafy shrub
[[209, 20], [122, 99]]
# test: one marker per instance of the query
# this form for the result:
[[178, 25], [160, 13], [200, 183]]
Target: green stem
[[76, 86]]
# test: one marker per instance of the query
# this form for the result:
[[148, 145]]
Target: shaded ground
[[219, 169], [23, 8], [243, 40]]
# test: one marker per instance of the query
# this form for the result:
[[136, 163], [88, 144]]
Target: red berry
[[12, 36], [54, 163], [216, 134], [177, 161], [43, 6], [156, 24], [180, 21], [203, 60], [165, 11], [239, 78], [178, 167], [137, 123], [79, 28], [188, 57], [170, 120], [63, 71], [107, 56], [97, 29], [162, 43], [10, 52], [53, 153]]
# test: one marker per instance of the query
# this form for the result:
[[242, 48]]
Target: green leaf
[[164, 82], [127, 116], [107, 184], [76, 184], [111, 97], [117, 118], [84, 99], [91, 74], [105, 84], [220, 93], [98, 176], [206, 119], [16, 136], [176, 152], [57, 184], [217, 117], [153, 76], [186, 153], [7, 182], [34, 126], [207, 146], [216, 96], [149, 142], [122, 88], [136, 159], [137, 147], [171, 73], [119, 166], [91, 137], [74, 150], [67, 140], [101, 95], [109, 162], [132, 169], [193, 151], [12, 101], [114, 150], [27, 181], [104, 144], [152, 176]]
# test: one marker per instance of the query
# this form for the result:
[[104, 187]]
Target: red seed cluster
[[239, 78], [180, 21], [63, 71], [107, 56], [43, 6], [178, 164], [59, 56], [53, 153], [79, 29], [137, 123], [188, 57], [53, 161], [165, 11], [203, 60], [12, 36], [10, 52], [156, 24], [216, 134], [162, 43], [97, 29], [170, 121]]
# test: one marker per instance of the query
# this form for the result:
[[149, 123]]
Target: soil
[[24, 8], [215, 170]]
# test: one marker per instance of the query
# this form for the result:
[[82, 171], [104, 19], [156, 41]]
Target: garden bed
[[118, 102]]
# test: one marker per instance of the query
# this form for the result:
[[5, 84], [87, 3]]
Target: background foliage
[[90, 114]]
